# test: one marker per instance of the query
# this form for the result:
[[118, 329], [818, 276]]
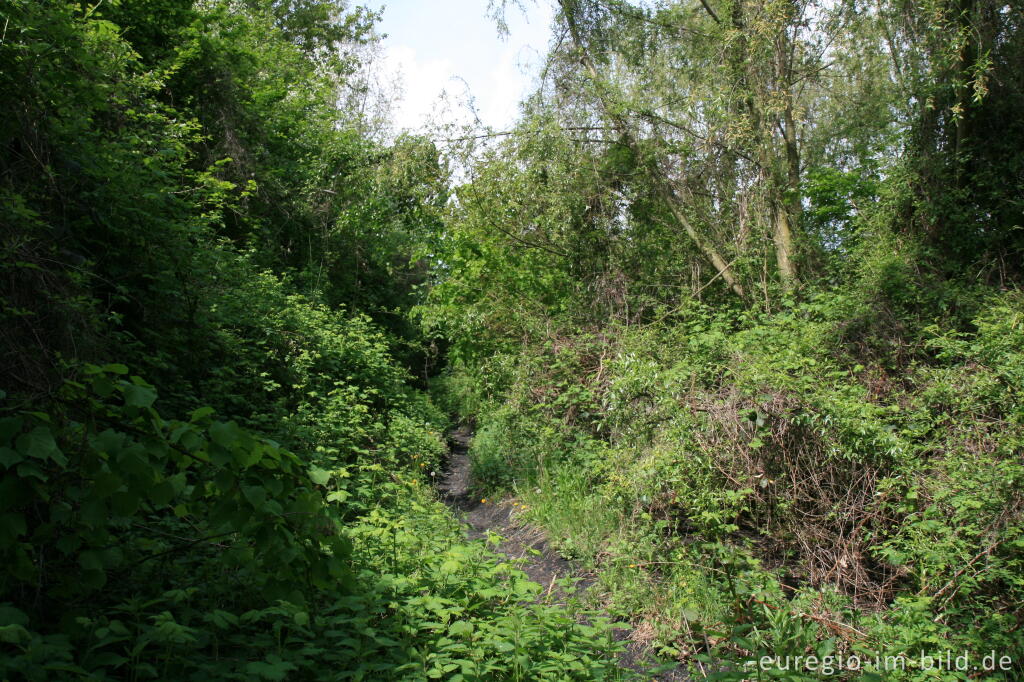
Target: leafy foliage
[[758, 457], [186, 197], [734, 306]]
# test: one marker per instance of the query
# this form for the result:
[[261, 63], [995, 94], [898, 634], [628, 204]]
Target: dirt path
[[518, 542], [541, 562]]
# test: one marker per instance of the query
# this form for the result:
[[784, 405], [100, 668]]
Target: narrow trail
[[542, 564], [539, 560]]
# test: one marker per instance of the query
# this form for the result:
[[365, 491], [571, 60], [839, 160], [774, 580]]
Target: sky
[[453, 47]]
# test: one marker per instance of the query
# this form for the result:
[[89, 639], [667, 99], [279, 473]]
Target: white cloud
[[460, 66], [506, 85], [433, 90], [422, 84]]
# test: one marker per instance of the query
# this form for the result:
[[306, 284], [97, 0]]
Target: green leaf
[[12, 525], [108, 659], [90, 561], [107, 483], [223, 619], [139, 396], [9, 428], [93, 579], [460, 627], [39, 444], [319, 476], [201, 414], [250, 455], [272, 669], [256, 495], [14, 634], [12, 616], [9, 457], [162, 493], [103, 385], [109, 442], [26, 469], [69, 544], [338, 496], [225, 434]]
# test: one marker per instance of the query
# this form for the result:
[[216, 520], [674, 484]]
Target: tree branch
[[710, 11]]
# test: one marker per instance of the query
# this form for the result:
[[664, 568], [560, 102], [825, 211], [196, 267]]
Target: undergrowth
[[779, 485], [139, 547]]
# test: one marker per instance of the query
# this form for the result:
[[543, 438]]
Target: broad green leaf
[[10, 615], [338, 496], [319, 476], [90, 560], [460, 627], [10, 457], [139, 396], [256, 495], [225, 434], [39, 444], [201, 414], [14, 634], [9, 428], [162, 493]]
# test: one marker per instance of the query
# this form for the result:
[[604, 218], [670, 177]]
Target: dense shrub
[[748, 467]]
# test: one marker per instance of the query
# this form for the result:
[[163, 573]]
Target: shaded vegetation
[[214, 459]]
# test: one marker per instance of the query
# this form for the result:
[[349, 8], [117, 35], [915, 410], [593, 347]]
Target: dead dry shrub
[[808, 510]]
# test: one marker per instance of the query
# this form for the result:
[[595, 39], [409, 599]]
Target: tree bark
[[780, 162]]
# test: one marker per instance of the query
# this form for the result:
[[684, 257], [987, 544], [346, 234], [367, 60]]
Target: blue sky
[[431, 45]]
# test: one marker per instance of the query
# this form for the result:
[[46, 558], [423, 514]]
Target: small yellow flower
[[483, 501]]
